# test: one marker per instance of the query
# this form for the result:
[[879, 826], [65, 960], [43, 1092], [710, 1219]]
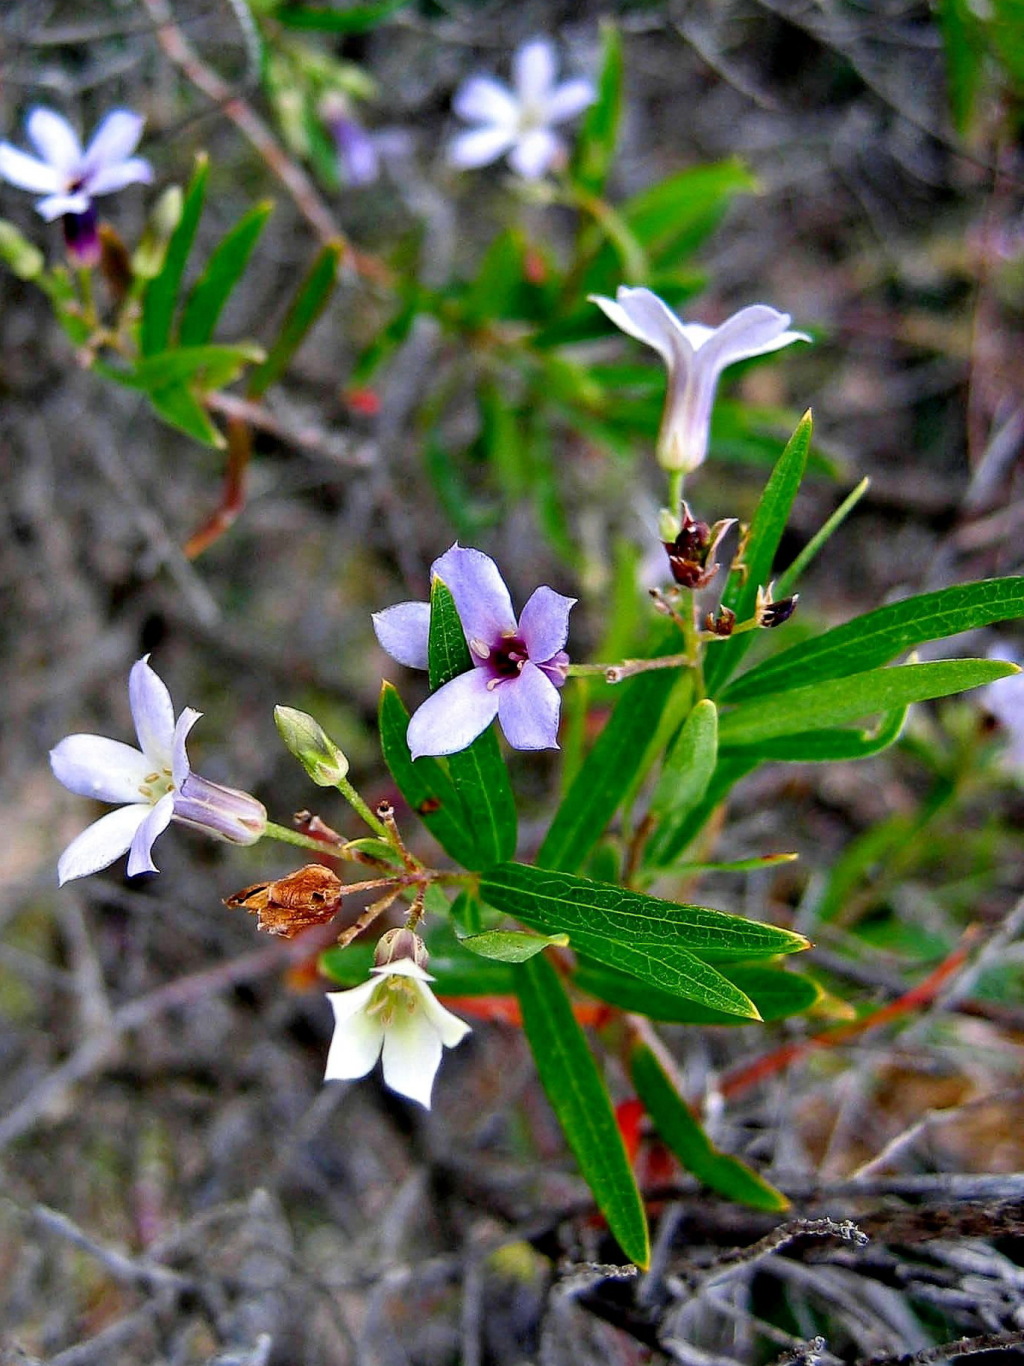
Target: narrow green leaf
[[210, 367], [789, 578], [511, 946], [737, 865], [161, 296], [778, 994], [759, 555], [224, 269], [424, 784], [595, 145], [830, 746], [879, 636], [309, 302], [180, 407], [579, 1098], [839, 700], [499, 282], [683, 1134], [478, 772], [351, 19], [964, 51], [621, 754], [732, 766], [684, 780]]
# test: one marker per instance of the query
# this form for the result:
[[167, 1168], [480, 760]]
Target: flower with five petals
[[695, 357], [152, 786], [519, 121], [518, 666], [70, 178], [394, 1016]]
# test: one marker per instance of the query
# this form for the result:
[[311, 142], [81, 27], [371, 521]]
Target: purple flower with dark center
[[69, 178], [151, 785], [518, 666]]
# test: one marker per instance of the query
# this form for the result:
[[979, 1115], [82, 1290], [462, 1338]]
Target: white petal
[[534, 68], [403, 631], [696, 334], [570, 99], [753, 331], [156, 821], [411, 1055], [454, 716], [480, 146], [18, 168], [134, 171], [535, 153], [482, 99], [114, 140], [93, 766], [180, 768], [152, 712], [403, 967], [103, 842], [449, 1027], [55, 140], [358, 1037], [641, 314], [57, 205]]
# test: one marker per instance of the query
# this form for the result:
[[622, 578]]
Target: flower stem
[[676, 480], [286, 836], [88, 297]]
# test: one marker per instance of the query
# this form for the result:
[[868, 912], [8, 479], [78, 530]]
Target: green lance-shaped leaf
[[310, 300], [778, 994], [879, 636], [180, 407], [206, 367], [759, 554], [499, 282], [683, 1134], [848, 699], [478, 772], [657, 941], [326, 19], [511, 946], [689, 767], [424, 784], [828, 746], [224, 269], [965, 53], [732, 766], [580, 1100], [621, 754], [161, 297], [595, 146], [790, 576]]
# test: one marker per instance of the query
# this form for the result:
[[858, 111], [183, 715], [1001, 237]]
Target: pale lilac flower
[[519, 121], [69, 179], [358, 157], [152, 786], [695, 356], [518, 666], [394, 1015], [1004, 699]]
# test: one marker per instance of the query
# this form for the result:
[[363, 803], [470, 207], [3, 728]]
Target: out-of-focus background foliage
[[222, 1205]]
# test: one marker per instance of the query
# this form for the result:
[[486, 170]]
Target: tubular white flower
[[695, 357], [152, 785], [518, 121], [394, 1016]]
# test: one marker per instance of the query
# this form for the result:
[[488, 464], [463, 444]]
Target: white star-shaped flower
[[519, 121], [396, 1016], [695, 356]]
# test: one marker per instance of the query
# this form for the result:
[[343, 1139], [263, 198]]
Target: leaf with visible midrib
[[580, 1100]]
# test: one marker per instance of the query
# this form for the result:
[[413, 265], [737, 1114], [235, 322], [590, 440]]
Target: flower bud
[[396, 944], [312, 746], [18, 253], [149, 254]]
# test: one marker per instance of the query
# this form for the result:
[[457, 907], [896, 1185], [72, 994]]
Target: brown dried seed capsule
[[309, 896]]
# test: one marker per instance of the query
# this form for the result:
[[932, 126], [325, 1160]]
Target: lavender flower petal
[[535, 153], [154, 823], [28, 173], [482, 99], [480, 146], [482, 600], [454, 716], [54, 139], [570, 99], [544, 623], [152, 712], [107, 770], [534, 68], [528, 710], [134, 171], [753, 331], [180, 766], [101, 843], [59, 205], [114, 140], [403, 631]]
